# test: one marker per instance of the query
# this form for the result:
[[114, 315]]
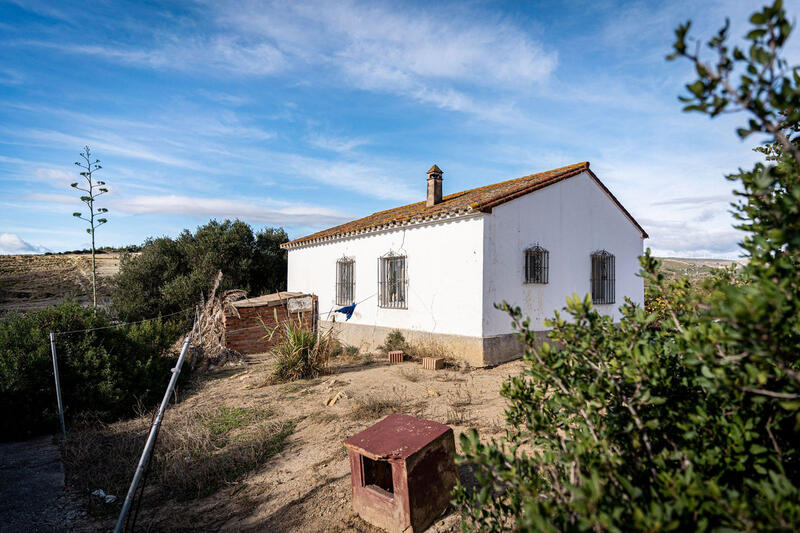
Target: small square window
[[537, 265]]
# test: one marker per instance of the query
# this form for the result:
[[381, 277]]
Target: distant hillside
[[33, 281], [694, 269]]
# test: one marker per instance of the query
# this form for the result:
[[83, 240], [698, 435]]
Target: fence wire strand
[[119, 325]]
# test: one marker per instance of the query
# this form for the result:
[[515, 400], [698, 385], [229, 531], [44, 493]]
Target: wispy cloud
[[217, 57], [264, 211], [11, 243], [694, 201], [292, 215], [336, 144], [429, 55], [11, 77]]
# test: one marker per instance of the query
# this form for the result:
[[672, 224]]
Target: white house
[[435, 269]]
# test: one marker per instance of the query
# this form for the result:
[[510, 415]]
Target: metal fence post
[[58, 384], [151, 438]]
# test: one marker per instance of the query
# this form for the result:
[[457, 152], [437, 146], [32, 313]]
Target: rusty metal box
[[402, 472]]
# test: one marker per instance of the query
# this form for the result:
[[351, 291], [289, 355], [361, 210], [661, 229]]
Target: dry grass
[[429, 348], [410, 373], [458, 416], [374, 406], [458, 402], [460, 397], [197, 452]]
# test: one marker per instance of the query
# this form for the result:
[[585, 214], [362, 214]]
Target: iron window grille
[[345, 281], [537, 265], [392, 281], [603, 277]]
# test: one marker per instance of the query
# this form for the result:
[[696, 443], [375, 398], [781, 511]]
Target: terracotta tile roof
[[481, 199]]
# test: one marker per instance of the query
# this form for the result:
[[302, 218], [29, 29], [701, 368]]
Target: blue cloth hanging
[[347, 310]]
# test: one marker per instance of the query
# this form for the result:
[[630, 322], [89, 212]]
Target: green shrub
[[104, 373], [300, 352], [352, 351], [394, 341], [169, 275], [684, 416]]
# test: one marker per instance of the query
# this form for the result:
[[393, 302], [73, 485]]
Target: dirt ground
[[306, 486], [33, 281]]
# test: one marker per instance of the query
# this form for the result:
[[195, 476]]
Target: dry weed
[[460, 397], [196, 453], [429, 348], [410, 373], [457, 402], [457, 416], [373, 406]]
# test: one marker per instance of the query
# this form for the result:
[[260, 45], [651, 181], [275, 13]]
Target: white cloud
[[381, 44], [11, 243], [432, 55], [55, 176], [289, 215], [220, 54], [11, 77], [336, 144]]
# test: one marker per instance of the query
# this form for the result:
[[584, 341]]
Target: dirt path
[[32, 496]]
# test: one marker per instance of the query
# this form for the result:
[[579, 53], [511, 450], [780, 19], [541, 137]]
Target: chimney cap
[[434, 170]]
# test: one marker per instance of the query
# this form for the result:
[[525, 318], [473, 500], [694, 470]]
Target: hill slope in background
[[694, 269], [33, 281]]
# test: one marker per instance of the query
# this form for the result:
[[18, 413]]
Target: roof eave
[[414, 221]]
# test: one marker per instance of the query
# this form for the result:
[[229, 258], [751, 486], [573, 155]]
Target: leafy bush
[[394, 341], [172, 274], [104, 373], [352, 351], [300, 352], [684, 416]]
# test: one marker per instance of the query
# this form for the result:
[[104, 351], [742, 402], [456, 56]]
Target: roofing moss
[[479, 199]]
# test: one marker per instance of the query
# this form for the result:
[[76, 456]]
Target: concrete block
[[396, 356]]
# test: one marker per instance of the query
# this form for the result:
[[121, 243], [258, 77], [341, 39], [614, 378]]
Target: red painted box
[[402, 472]]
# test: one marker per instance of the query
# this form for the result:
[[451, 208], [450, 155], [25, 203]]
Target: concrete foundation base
[[477, 351]]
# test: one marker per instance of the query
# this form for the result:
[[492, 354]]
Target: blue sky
[[305, 115]]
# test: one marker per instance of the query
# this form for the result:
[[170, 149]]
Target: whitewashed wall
[[571, 219], [445, 273]]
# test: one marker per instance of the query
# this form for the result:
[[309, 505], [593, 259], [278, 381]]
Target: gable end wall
[[571, 219]]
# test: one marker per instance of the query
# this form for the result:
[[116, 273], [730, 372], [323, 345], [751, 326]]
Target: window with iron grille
[[392, 281], [603, 277], [537, 265], [345, 281]]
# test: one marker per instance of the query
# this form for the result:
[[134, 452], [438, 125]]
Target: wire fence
[[121, 324]]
